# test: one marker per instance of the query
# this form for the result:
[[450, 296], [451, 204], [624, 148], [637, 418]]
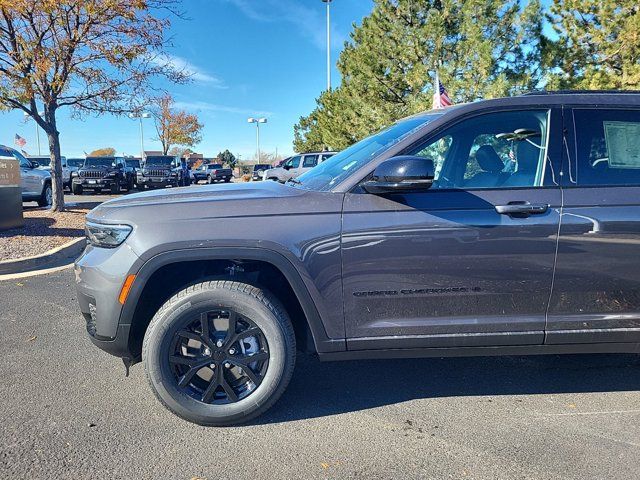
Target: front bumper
[[157, 181], [100, 274], [94, 183]]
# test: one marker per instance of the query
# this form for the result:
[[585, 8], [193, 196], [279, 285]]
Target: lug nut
[[227, 365], [212, 366], [232, 351], [207, 351], [219, 343]]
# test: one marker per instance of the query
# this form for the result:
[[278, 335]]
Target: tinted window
[[293, 162], [607, 147], [497, 150], [99, 162], [24, 163], [310, 161]]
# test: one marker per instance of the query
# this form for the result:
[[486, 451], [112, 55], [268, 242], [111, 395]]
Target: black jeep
[[160, 171], [103, 173]]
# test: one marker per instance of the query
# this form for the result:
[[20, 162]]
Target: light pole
[[257, 121], [140, 116], [26, 117], [328, 2]]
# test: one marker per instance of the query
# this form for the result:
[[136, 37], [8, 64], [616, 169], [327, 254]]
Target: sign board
[[10, 194]]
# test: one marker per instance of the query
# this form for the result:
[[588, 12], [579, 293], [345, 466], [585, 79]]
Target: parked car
[[35, 182], [136, 165], [44, 163], [489, 228], [199, 173], [103, 173], [258, 170], [217, 173], [74, 165], [160, 171], [296, 166]]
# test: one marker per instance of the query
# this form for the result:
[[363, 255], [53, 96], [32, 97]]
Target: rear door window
[[607, 147], [310, 161]]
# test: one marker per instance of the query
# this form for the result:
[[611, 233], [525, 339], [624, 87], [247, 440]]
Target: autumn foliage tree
[[103, 152], [92, 56], [175, 127]]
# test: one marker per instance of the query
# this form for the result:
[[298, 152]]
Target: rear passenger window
[[607, 147], [310, 161]]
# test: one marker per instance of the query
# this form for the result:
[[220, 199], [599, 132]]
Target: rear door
[[596, 295], [470, 261], [308, 162]]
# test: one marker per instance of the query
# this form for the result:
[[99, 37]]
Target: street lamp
[[26, 117], [257, 121], [328, 2], [140, 116]]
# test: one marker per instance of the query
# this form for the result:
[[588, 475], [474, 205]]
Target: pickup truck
[[216, 173]]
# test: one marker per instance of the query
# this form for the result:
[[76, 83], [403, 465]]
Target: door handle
[[522, 209]]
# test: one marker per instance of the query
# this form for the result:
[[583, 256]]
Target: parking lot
[[67, 411]]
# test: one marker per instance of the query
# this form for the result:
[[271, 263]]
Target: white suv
[[295, 166]]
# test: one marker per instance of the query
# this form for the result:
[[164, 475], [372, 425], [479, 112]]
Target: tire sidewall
[[176, 316]]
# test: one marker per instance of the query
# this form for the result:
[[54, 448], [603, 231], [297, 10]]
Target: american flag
[[19, 141], [440, 95]]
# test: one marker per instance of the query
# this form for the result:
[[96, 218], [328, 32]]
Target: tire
[[76, 189], [209, 179], [115, 188], [273, 179], [164, 341], [227, 180], [46, 197]]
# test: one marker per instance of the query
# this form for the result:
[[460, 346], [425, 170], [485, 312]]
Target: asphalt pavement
[[68, 412]]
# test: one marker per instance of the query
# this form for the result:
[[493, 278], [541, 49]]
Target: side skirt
[[483, 351]]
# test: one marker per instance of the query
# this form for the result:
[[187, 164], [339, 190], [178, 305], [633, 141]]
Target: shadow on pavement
[[321, 389]]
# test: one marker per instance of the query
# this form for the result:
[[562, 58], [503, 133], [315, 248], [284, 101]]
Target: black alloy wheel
[[220, 357]]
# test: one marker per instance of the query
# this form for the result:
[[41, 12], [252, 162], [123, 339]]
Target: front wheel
[[76, 189], [46, 197], [219, 352], [209, 179]]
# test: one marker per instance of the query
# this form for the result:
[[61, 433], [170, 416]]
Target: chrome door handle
[[522, 209]]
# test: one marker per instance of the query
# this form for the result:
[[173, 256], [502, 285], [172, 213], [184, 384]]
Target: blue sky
[[248, 57]]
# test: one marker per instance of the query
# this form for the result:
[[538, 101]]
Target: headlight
[[112, 174], [74, 174], [107, 236]]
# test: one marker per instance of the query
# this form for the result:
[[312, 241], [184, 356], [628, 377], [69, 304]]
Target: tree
[[228, 158], [93, 56], [175, 127], [598, 44], [103, 152], [179, 151], [480, 48]]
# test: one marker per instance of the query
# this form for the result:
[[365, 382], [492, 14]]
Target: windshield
[[133, 163], [75, 162], [331, 172], [214, 165], [99, 162], [159, 161]]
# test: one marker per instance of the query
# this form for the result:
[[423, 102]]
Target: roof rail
[[577, 92]]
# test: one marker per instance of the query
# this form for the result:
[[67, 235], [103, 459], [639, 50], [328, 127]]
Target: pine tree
[[598, 44], [481, 49]]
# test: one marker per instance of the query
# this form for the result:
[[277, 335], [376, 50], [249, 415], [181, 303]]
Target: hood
[[203, 202]]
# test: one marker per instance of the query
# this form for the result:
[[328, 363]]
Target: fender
[[322, 342]]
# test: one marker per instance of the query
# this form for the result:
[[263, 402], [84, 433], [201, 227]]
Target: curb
[[62, 255]]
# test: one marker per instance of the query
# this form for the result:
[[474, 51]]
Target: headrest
[[488, 159], [527, 155]]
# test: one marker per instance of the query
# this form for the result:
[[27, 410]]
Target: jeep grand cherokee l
[[507, 226]]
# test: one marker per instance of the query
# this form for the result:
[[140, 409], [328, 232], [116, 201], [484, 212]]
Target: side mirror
[[405, 173], [287, 167]]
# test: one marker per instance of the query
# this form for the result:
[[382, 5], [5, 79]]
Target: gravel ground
[[42, 231], [68, 412]]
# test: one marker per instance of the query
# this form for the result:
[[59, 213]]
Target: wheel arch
[[160, 265]]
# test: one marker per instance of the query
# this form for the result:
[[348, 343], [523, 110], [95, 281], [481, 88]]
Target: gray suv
[[35, 182], [500, 227], [295, 166]]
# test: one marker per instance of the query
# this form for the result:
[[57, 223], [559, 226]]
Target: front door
[[470, 261], [597, 286]]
